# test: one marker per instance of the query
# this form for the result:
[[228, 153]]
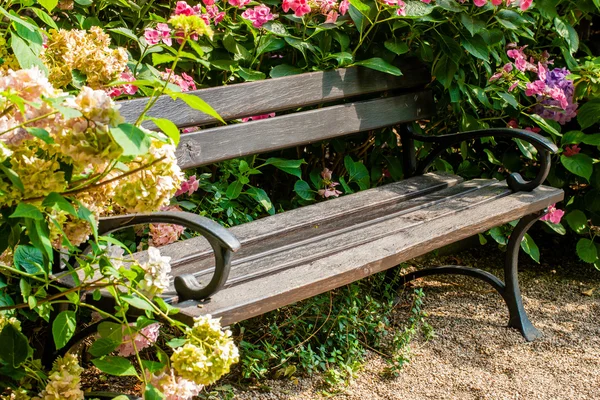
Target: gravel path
[[474, 356]]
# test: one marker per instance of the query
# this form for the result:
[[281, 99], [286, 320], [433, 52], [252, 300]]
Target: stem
[[29, 121]]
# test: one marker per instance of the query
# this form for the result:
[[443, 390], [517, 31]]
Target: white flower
[[157, 278]]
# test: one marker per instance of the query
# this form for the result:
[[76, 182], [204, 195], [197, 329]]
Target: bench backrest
[[392, 100]]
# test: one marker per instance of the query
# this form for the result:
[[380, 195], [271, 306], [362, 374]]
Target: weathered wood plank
[[271, 95], [305, 218], [223, 143], [320, 275]]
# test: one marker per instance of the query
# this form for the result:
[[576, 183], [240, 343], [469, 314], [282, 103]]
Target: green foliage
[[331, 333]]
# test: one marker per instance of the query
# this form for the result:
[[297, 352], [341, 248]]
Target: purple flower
[[557, 103]]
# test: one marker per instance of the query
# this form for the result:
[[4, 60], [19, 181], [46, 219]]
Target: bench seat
[[307, 251]]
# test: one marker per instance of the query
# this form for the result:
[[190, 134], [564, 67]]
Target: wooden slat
[[254, 98], [425, 230], [306, 218], [223, 143]]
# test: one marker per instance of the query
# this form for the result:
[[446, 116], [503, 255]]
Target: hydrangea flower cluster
[[174, 387], [116, 91], [64, 381], [82, 140], [157, 269], [146, 337], [87, 52], [190, 186], [554, 215], [189, 22], [331, 9], [522, 4], [163, 234], [208, 354], [259, 15], [184, 81]]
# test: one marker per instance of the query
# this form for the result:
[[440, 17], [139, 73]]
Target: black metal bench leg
[[512, 293], [509, 289]]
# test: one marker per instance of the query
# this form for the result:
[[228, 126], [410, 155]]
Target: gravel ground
[[474, 355]]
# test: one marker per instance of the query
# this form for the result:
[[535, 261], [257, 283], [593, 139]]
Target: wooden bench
[[254, 268]]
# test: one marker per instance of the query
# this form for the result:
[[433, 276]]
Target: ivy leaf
[[587, 251], [63, 328], [303, 190], [113, 365], [579, 164], [15, 347], [379, 64]]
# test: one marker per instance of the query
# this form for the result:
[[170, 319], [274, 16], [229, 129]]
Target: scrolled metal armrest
[[515, 181], [222, 241]]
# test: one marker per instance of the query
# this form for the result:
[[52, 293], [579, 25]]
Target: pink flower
[[189, 186], [258, 117], [480, 3], [426, 1], [173, 387], [238, 3], [182, 8], [212, 13], [330, 191], [152, 36], [525, 4], [534, 88], [496, 2], [496, 76], [208, 2], [570, 151], [185, 82], [513, 86], [508, 67], [392, 3], [165, 33], [164, 234], [117, 91], [142, 339], [300, 7], [513, 123], [343, 8], [190, 129], [326, 174], [332, 17], [534, 130], [259, 15], [554, 215]]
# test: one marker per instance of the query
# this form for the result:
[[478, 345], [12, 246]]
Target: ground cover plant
[[66, 157]]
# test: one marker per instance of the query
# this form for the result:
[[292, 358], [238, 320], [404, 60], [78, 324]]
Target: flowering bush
[[67, 158]]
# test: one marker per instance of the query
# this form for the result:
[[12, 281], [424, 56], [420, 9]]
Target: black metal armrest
[[515, 181], [221, 240]]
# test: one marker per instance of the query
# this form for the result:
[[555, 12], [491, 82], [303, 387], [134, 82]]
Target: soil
[[473, 354]]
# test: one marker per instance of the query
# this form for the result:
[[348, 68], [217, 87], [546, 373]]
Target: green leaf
[[48, 4], [473, 24], [152, 366], [128, 33], [477, 47], [17, 20], [292, 167], [510, 99], [41, 134], [357, 172], [498, 235], [85, 214], [132, 139], [379, 64], [396, 46], [162, 58], [29, 258], [102, 347], [568, 33], [168, 127], [417, 9], [197, 104], [450, 5], [177, 342], [545, 125], [578, 221], [587, 251], [558, 228], [510, 19], [117, 366], [284, 70], [63, 328], [589, 113], [55, 200], [360, 22], [41, 14], [492, 158], [137, 302], [579, 164], [362, 7], [303, 190], [13, 177], [572, 137], [526, 148], [250, 75], [444, 71], [262, 198], [25, 55], [110, 330], [529, 247], [152, 393], [15, 347], [234, 189], [26, 210], [276, 28]]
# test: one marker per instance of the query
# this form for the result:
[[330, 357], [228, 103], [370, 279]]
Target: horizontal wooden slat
[[271, 95], [306, 218], [383, 246], [223, 143]]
